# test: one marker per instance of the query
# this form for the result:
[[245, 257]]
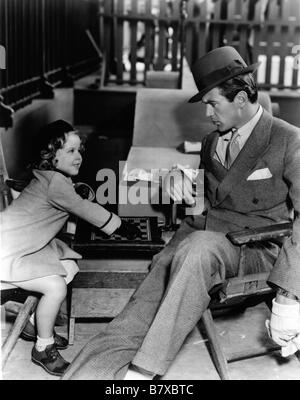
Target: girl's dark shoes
[[29, 334], [50, 360]]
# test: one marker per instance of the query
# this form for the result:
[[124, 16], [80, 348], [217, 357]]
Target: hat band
[[220, 74]]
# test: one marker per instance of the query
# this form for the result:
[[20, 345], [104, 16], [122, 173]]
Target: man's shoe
[[50, 360], [29, 334]]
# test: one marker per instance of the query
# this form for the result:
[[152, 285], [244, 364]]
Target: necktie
[[232, 150]]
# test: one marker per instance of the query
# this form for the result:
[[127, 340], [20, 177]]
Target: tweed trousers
[[165, 308]]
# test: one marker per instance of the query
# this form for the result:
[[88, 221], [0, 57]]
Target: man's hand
[[179, 187], [128, 230], [284, 325]]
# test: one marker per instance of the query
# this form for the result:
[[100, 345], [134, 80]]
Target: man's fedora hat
[[216, 67]]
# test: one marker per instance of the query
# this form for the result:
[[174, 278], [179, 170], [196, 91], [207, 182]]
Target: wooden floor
[[193, 361]]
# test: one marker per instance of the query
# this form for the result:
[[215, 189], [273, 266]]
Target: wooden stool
[[10, 292]]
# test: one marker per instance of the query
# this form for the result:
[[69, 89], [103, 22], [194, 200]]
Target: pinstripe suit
[[152, 327]]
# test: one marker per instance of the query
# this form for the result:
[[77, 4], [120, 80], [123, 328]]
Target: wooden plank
[[107, 28], [257, 49], [3, 35], [233, 9], [133, 42], [10, 55], [39, 36], [284, 32], [293, 10], [114, 265], [216, 28], [275, 45], [277, 37], [48, 25], [149, 38], [218, 354], [263, 50], [243, 41], [296, 38], [202, 42], [162, 36], [19, 324], [99, 279], [189, 34], [24, 52], [71, 334], [175, 35], [99, 303], [273, 13], [230, 29], [119, 40], [203, 30], [291, 14], [271, 31], [111, 273], [244, 30], [253, 352]]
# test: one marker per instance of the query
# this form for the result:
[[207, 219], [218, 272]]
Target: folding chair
[[12, 293], [252, 288]]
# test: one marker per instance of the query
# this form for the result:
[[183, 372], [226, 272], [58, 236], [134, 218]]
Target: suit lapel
[[254, 148], [213, 165]]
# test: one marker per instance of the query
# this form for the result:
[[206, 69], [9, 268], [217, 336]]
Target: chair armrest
[[274, 231], [239, 287]]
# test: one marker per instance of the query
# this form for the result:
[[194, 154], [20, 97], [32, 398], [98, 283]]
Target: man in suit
[[251, 163]]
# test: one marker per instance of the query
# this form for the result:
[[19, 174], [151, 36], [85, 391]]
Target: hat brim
[[198, 96]]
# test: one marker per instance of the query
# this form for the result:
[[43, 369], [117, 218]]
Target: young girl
[[31, 257]]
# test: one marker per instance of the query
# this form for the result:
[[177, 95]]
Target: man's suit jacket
[[261, 188]]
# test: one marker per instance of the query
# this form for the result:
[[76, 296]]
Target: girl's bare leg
[[53, 289]]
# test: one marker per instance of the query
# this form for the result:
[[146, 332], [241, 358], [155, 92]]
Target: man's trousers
[[165, 308]]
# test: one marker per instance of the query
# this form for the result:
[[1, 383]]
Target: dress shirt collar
[[245, 130], [243, 134], [248, 127]]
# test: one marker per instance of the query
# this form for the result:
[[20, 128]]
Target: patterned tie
[[233, 149]]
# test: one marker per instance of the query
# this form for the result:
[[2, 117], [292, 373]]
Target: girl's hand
[[128, 230]]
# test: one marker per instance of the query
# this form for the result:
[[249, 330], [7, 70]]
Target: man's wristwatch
[[286, 293]]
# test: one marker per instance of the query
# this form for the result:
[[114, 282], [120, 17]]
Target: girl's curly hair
[[51, 138]]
